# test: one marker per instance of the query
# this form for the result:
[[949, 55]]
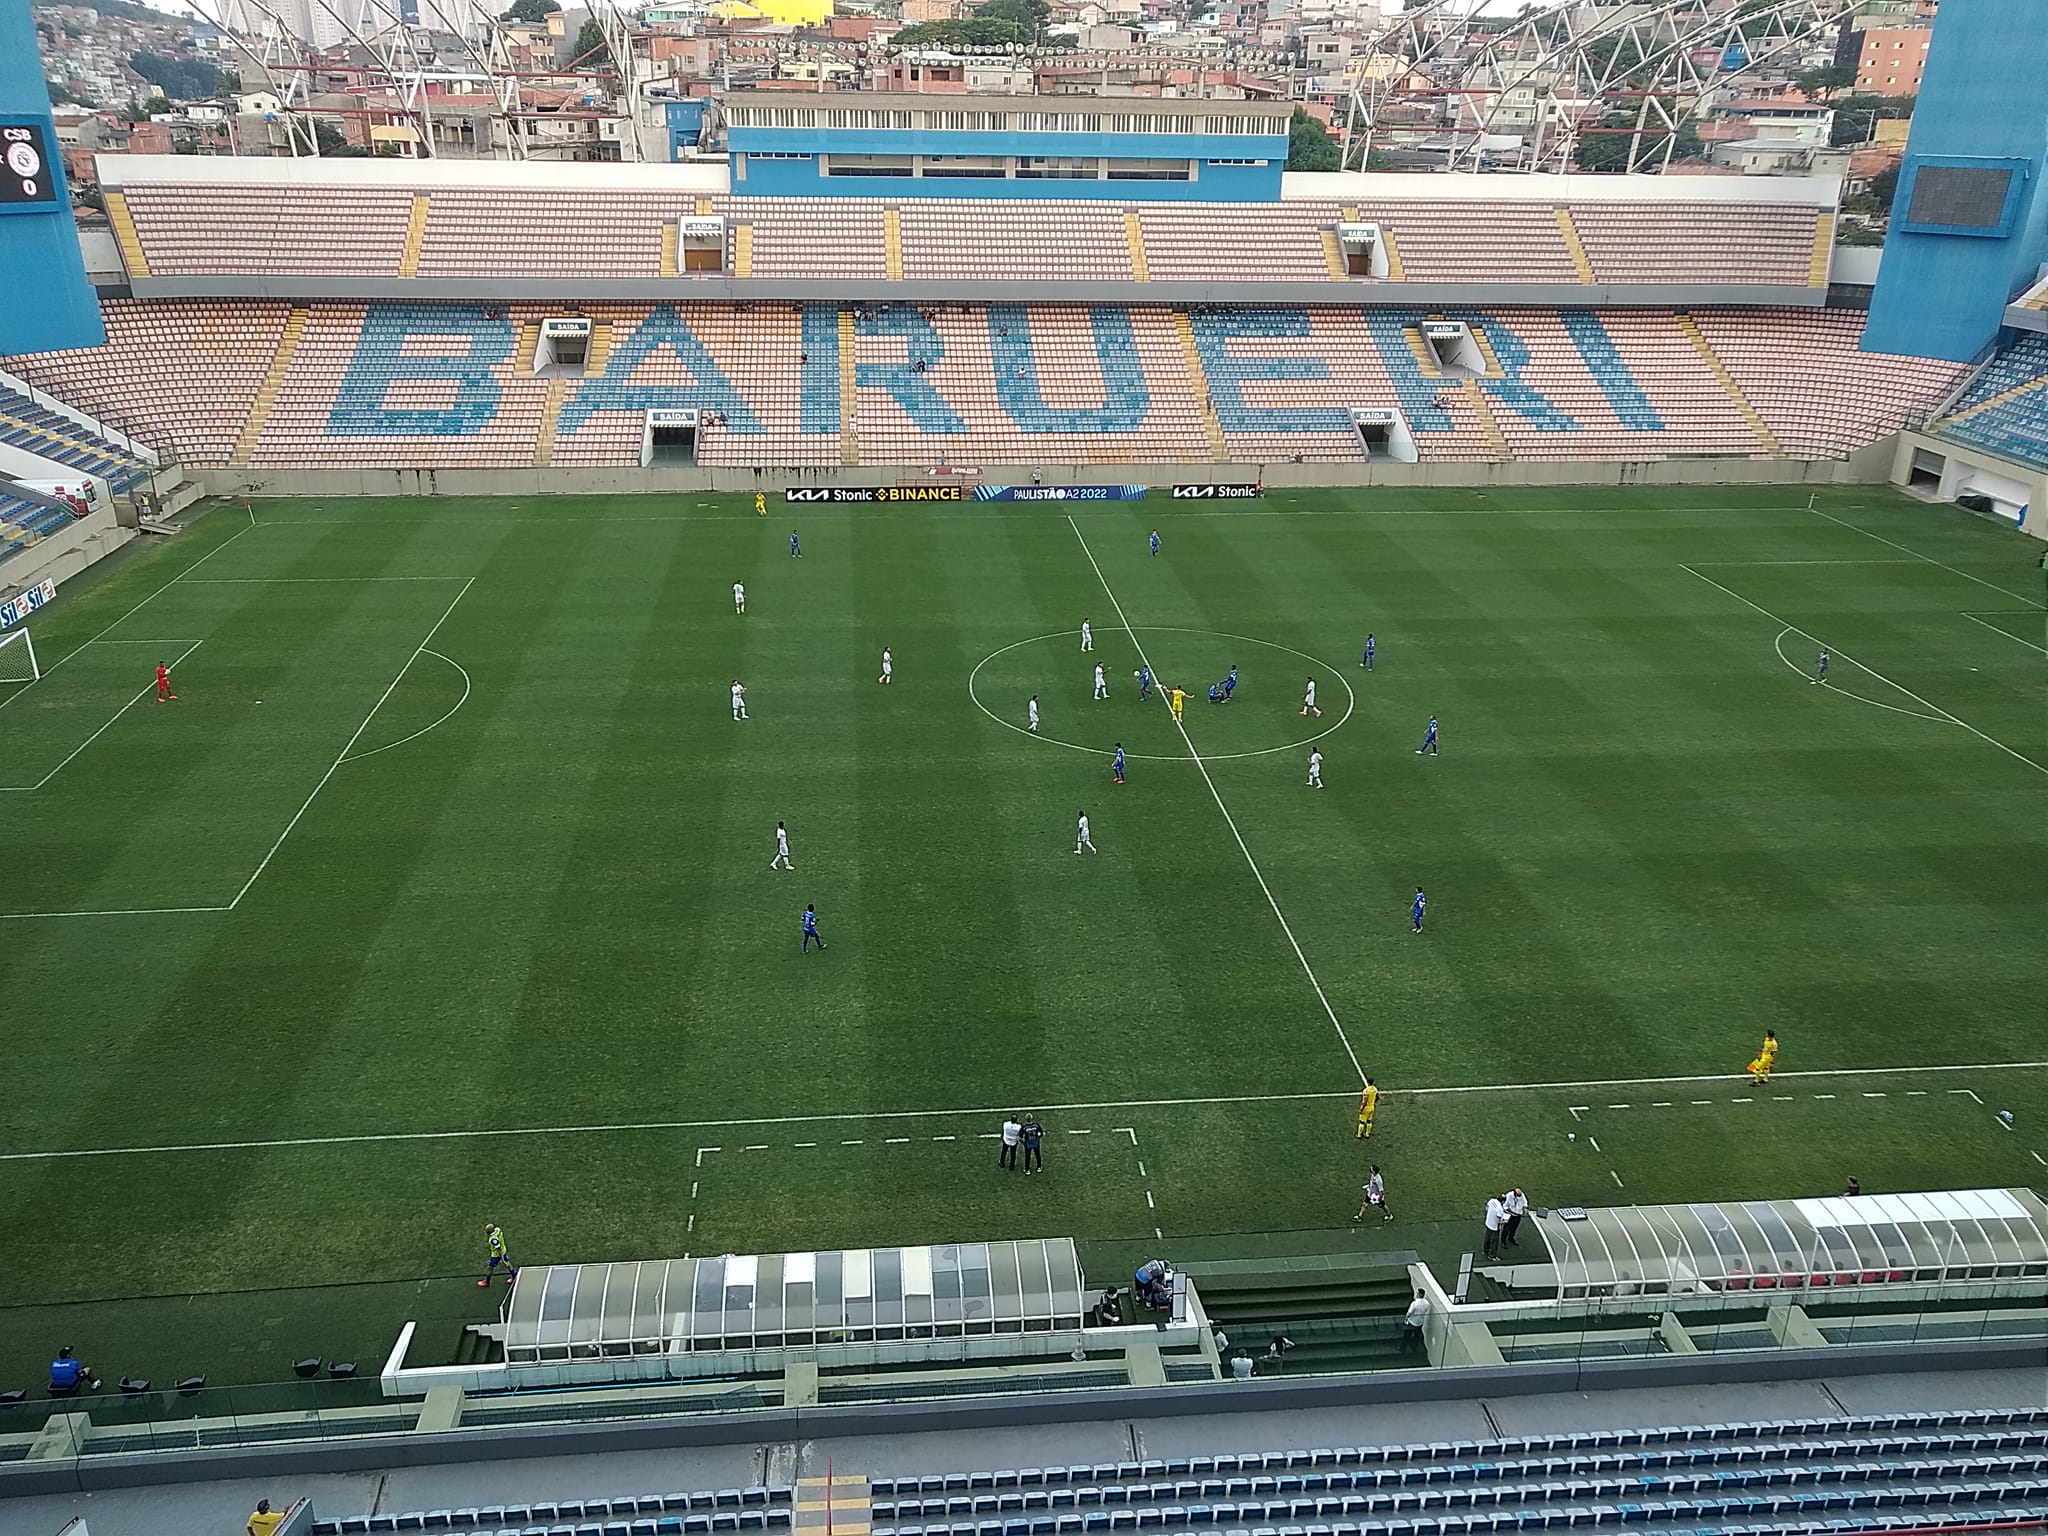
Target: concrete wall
[[1970, 469], [64, 553], [1868, 467]]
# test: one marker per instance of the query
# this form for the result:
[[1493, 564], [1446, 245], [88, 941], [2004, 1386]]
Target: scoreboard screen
[[1965, 197], [27, 183]]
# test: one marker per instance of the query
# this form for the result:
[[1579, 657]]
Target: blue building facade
[[46, 303], [870, 144], [1969, 226]]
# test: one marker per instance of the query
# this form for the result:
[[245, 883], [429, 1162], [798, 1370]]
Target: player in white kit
[[1034, 714], [888, 666], [781, 859], [1081, 835], [1315, 770], [739, 700], [1087, 637], [1101, 685], [1308, 701], [739, 597]]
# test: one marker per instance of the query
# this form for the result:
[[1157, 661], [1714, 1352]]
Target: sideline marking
[[26, 789], [978, 1111], [1162, 757], [1228, 820], [1907, 549], [1837, 650]]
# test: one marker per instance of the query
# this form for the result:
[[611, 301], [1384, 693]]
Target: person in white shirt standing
[[1101, 683], [888, 666], [1496, 1218], [739, 597], [739, 700], [1013, 1132], [1087, 637], [1315, 769], [1516, 1204], [1308, 701], [1034, 714], [1081, 839], [1411, 1325], [781, 859]]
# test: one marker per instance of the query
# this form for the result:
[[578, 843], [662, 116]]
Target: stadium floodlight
[[18, 658]]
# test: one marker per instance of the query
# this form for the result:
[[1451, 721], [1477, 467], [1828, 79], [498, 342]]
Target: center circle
[[1083, 663]]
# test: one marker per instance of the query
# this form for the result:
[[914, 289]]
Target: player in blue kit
[[796, 550], [811, 934], [1155, 541], [1421, 906], [1144, 684], [1230, 684], [1429, 740], [1365, 661], [1116, 767]]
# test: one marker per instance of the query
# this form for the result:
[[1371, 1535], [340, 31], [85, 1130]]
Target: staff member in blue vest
[[67, 1372]]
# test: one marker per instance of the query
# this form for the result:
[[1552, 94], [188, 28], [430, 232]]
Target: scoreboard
[[27, 184]]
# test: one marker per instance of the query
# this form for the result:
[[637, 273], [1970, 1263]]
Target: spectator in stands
[[265, 1520], [1854, 1188], [67, 1371], [1411, 1324], [1241, 1366]]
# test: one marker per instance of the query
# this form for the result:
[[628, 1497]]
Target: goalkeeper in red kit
[[163, 682]]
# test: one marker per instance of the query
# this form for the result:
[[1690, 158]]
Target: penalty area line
[[848, 1117]]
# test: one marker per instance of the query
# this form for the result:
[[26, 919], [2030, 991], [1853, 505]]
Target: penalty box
[[280, 681]]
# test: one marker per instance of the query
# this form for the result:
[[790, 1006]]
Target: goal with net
[[17, 658]]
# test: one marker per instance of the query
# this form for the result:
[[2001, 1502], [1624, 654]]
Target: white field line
[[1228, 820], [271, 581], [24, 789], [1929, 559], [1803, 562], [982, 1111], [1909, 693], [458, 666], [1837, 689], [1974, 619], [159, 592], [342, 757]]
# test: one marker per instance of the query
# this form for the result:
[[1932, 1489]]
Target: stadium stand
[[22, 523], [2005, 408], [449, 386], [185, 228], [1921, 1471], [32, 426]]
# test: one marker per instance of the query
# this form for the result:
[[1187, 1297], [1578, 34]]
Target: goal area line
[[980, 1111]]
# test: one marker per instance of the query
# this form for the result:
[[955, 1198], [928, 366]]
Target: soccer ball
[[2005, 1115], [1134, 671], [1571, 1135]]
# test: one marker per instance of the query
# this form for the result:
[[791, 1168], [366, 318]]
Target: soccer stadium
[[1152, 843]]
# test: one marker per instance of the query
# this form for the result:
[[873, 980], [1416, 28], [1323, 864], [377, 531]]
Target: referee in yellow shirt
[[1176, 697], [1368, 1103]]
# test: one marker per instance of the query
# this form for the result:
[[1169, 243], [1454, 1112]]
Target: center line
[[1228, 820]]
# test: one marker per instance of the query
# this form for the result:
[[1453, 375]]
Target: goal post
[[17, 658]]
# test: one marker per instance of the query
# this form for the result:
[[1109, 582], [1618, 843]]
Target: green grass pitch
[[443, 891]]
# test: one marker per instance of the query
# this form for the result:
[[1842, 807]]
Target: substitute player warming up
[[494, 1255]]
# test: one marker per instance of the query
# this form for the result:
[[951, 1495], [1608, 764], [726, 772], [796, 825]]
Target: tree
[[588, 51], [1829, 77], [1856, 116], [151, 107], [182, 79], [1028, 14], [974, 32], [1604, 146], [1884, 186], [1309, 146], [532, 12]]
